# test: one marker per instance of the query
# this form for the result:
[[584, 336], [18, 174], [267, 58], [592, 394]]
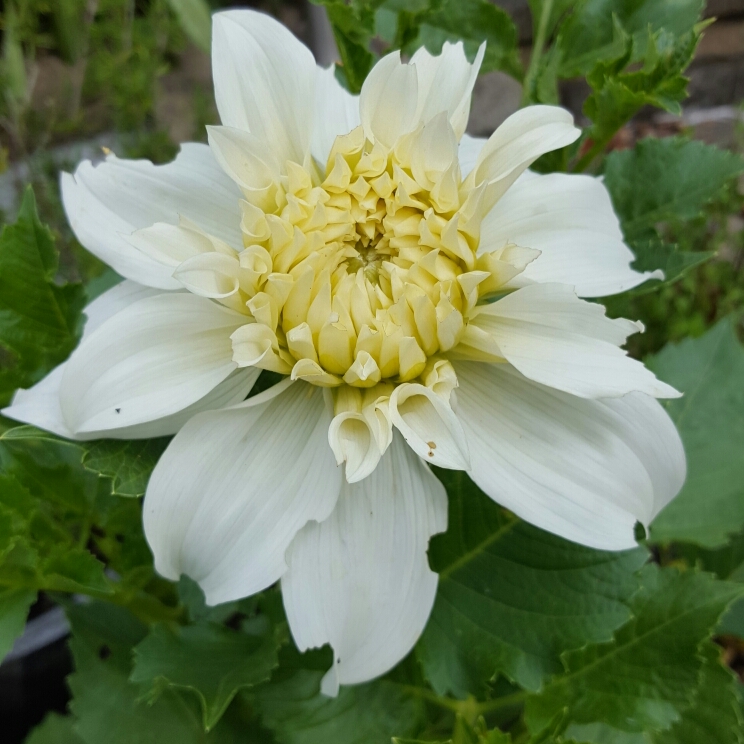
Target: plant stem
[[537, 51]]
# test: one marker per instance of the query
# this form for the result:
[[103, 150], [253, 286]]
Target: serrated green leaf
[[653, 254], [129, 464], [106, 705], [715, 716], [54, 729], [195, 18], [472, 22], [297, 713], [39, 320], [710, 419], [665, 179], [642, 680], [588, 34], [208, 659], [512, 598], [74, 569], [14, 606]]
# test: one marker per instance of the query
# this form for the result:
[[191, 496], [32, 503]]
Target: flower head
[[418, 289]]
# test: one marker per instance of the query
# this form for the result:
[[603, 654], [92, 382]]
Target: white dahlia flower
[[420, 290]]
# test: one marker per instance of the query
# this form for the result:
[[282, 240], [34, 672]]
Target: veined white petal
[[336, 112], [553, 337], [360, 580], [469, 150], [235, 486], [570, 220], [209, 275], [264, 81], [353, 441], [445, 83], [429, 425], [586, 470], [517, 143], [388, 101], [150, 360], [40, 405], [106, 203]]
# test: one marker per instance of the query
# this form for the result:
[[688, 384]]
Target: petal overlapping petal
[[553, 337], [360, 580], [264, 81], [108, 202], [586, 470], [234, 486], [570, 220], [152, 359], [336, 112]]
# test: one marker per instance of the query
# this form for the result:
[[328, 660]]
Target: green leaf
[[14, 606], [715, 716], [512, 598], [195, 18], [710, 419], [666, 179], [653, 254], [129, 464], [210, 660], [39, 320], [643, 679], [55, 729], [472, 22], [74, 570], [588, 35], [297, 713], [107, 706]]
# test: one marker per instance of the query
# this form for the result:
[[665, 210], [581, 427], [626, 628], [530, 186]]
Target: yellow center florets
[[367, 272]]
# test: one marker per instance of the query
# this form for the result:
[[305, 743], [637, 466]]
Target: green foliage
[[709, 371], [608, 684], [195, 19], [297, 713], [39, 320], [661, 180], [55, 729], [213, 661], [513, 598], [14, 605]]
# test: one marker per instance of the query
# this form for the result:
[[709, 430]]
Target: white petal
[[445, 83], [353, 441], [553, 337], [360, 580], [336, 112], [39, 405], [470, 148], [570, 219], [429, 425], [235, 486], [171, 245], [209, 275], [108, 202], [264, 81], [152, 359], [518, 142], [388, 101], [586, 470]]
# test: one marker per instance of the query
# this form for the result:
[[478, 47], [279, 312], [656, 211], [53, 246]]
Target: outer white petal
[[518, 142], [553, 337], [388, 101], [235, 486], [570, 219], [586, 470], [108, 202], [445, 83], [336, 112], [470, 148], [150, 360], [264, 81], [40, 405], [360, 580]]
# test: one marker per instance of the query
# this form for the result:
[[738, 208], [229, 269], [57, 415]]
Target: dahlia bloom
[[420, 292]]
